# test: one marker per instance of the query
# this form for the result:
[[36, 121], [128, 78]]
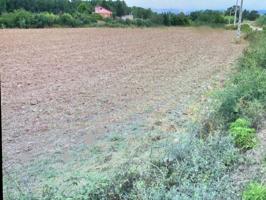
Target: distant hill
[[176, 11], [262, 11]]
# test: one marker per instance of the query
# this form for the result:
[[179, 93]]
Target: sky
[[187, 5]]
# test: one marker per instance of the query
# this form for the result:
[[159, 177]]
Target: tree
[[231, 10], [141, 13], [166, 19], [121, 8], [2, 6], [253, 15], [84, 8]]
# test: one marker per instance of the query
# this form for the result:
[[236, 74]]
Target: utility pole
[[230, 17], [236, 8], [239, 21]]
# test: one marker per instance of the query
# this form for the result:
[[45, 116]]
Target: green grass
[[244, 95], [255, 191]]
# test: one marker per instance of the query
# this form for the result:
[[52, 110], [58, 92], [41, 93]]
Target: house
[[127, 17], [103, 12]]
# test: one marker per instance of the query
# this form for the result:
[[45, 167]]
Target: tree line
[[251, 15], [49, 13]]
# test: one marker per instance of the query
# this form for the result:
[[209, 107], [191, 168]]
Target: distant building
[[129, 17], [103, 12]]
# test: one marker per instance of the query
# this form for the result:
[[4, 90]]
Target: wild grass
[[255, 191]]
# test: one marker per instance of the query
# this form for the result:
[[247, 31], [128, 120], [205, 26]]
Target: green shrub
[[245, 28], [85, 18], [261, 21], [208, 17], [244, 136], [96, 17], [18, 18], [244, 96], [238, 97], [255, 56], [67, 20], [8, 20], [42, 20], [255, 191]]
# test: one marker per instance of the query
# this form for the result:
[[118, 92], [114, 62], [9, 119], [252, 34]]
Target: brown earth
[[63, 87]]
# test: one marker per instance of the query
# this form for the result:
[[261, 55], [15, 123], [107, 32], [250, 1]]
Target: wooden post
[[236, 9], [239, 21]]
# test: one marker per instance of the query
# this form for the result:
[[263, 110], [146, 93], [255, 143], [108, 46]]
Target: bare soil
[[65, 87]]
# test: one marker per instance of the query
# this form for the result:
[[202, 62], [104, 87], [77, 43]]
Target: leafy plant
[[244, 136]]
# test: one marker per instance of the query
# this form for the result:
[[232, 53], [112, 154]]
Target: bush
[[18, 18], [255, 56], [67, 20], [245, 28], [244, 136], [42, 20], [142, 22], [255, 191], [180, 19], [238, 97], [208, 17], [261, 21], [84, 19]]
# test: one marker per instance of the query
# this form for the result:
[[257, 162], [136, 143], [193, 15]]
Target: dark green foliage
[[68, 20], [250, 15], [2, 6], [231, 10], [244, 136], [85, 8], [141, 13], [208, 17], [66, 6], [170, 19], [25, 19], [255, 191], [238, 97], [42, 20], [19, 18], [247, 15], [54, 6], [79, 13]]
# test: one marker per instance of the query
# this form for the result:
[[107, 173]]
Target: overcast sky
[[196, 4]]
